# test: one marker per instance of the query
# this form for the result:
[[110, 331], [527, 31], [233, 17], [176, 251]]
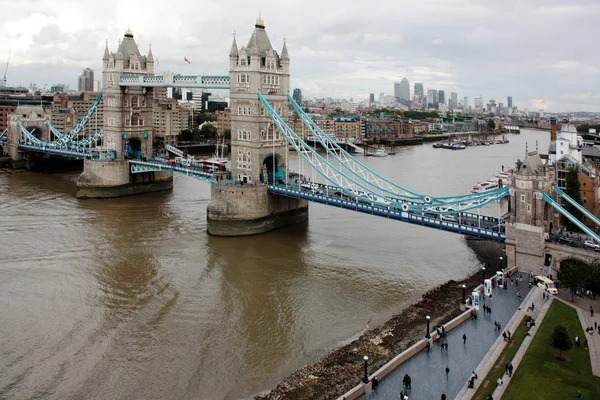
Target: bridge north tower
[[257, 148], [128, 127]]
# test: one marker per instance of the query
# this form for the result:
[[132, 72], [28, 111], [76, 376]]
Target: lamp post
[[366, 377], [427, 335], [482, 275], [501, 258], [464, 288]]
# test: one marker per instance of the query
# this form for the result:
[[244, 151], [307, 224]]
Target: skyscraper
[[509, 101], [297, 96], [436, 99], [453, 102], [397, 90], [466, 103], [372, 98], [419, 90], [405, 90], [441, 97], [86, 81], [430, 97]]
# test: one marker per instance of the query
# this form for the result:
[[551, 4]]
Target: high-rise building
[[430, 97], [397, 90], [371, 98], [466, 103], [453, 102], [436, 98], [418, 90], [509, 101], [479, 103], [441, 97], [405, 90], [86, 81], [297, 96]]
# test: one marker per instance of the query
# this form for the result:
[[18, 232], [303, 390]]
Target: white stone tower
[[127, 110], [257, 148]]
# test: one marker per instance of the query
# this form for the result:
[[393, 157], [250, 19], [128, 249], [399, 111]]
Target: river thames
[[130, 298]]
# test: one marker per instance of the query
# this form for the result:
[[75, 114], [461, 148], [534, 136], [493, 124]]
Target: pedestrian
[[464, 338], [504, 336], [489, 310], [591, 311], [443, 396], [508, 333], [532, 307], [510, 370], [595, 325], [579, 395], [447, 372], [490, 397], [499, 382]]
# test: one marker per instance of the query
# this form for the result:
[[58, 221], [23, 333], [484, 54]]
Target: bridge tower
[[258, 150], [128, 128], [34, 119], [530, 217]]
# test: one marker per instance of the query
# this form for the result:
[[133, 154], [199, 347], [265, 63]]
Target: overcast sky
[[542, 52]]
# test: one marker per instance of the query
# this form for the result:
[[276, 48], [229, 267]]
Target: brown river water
[[130, 298]]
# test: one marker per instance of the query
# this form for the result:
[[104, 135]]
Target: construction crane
[[5, 70]]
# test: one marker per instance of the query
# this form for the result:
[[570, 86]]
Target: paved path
[[538, 315], [582, 305], [427, 369], [487, 362]]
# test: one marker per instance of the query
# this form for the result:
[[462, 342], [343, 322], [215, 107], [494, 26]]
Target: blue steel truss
[[74, 132], [140, 166], [571, 217], [387, 212], [360, 190], [577, 205], [178, 81], [372, 178]]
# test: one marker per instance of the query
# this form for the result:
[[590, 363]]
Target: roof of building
[[532, 164], [259, 40], [568, 128], [31, 111], [129, 47]]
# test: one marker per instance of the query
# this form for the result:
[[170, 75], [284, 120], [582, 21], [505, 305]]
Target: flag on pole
[[186, 60]]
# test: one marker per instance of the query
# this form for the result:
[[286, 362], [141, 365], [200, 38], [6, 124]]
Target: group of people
[[471, 384], [506, 335], [487, 309]]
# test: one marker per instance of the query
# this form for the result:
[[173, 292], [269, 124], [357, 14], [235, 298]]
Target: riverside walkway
[[427, 369]]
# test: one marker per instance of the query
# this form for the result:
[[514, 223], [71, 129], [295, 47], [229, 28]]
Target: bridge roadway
[[469, 224], [65, 151]]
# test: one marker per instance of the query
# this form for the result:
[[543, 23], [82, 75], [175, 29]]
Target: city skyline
[[466, 47]]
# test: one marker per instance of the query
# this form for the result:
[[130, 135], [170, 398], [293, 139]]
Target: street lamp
[[501, 258], [482, 275], [427, 335], [366, 378], [464, 288]]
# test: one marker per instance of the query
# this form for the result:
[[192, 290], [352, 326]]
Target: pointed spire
[[106, 52], [234, 48], [150, 58], [284, 51], [254, 46]]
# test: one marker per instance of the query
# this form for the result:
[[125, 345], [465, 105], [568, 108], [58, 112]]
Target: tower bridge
[[260, 193]]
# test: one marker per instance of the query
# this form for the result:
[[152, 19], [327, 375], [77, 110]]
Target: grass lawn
[[541, 376], [498, 370]]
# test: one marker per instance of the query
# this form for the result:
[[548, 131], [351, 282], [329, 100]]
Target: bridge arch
[[133, 148], [273, 168]]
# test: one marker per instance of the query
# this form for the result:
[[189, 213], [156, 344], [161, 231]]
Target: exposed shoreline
[[341, 369]]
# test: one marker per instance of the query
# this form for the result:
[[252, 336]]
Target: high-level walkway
[[427, 369]]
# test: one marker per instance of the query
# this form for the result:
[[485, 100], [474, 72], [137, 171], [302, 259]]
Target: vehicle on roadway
[[546, 283], [590, 244]]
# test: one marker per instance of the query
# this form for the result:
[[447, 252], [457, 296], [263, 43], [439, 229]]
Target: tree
[[561, 340], [573, 275], [491, 125], [573, 190], [208, 131], [227, 133]]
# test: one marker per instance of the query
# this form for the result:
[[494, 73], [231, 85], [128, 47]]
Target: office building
[[466, 103], [371, 98], [419, 91], [297, 96], [453, 102], [405, 90], [441, 97], [509, 101], [86, 81]]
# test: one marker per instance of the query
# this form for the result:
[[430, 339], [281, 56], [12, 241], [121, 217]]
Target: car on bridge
[[590, 244]]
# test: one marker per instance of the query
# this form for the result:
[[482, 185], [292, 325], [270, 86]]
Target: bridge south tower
[[258, 149], [530, 216]]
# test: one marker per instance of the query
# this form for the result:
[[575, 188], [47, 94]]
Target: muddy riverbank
[[340, 370]]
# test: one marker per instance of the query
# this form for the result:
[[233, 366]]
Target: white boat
[[485, 186], [503, 177], [219, 156], [379, 153]]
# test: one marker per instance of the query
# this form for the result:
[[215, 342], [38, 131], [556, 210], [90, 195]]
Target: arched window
[[134, 101]]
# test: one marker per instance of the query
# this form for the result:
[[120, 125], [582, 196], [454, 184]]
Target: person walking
[[591, 311], [464, 338], [510, 370], [443, 396], [447, 372], [532, 307]]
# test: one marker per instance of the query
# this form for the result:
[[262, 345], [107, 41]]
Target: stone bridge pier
[[34, 119]]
